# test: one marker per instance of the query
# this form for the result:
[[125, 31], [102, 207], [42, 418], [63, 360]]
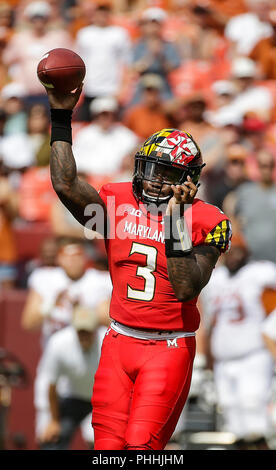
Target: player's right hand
[[182, 194], [59, 100]]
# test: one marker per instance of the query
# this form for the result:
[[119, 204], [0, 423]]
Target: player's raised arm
[[189, 268], [73, 192]]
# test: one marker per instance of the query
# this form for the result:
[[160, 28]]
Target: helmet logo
[[170, 148], [184, 149], [182, 159], [176, 138]]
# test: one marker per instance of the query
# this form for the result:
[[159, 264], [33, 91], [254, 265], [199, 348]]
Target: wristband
[[61, 125], [178, 242]]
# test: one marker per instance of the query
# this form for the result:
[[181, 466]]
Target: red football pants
[[139, 391]]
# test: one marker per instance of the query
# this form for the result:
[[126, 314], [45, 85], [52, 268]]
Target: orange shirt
[[269, 300], [7, 243], [265, 54], [12, 3], [144, 121], [228, 8]]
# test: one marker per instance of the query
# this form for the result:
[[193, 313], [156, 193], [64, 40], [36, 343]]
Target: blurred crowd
[[207, 67]]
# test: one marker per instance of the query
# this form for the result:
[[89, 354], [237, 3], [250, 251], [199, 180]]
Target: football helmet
[[166, 157]]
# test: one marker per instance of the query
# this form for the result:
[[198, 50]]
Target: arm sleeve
[[220, 236]]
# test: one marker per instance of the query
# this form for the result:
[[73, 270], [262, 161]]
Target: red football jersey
[[142, 293]]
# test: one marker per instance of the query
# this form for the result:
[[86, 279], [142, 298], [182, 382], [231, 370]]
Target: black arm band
[[177, 239], [61, 125]]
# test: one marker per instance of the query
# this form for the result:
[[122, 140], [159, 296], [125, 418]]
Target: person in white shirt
[[101, 147], [71, 356], [250, 96], [246, 29], [234, 313], [106, 51], [54, 292]]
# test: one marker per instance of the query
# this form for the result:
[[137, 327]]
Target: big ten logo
[[135, 212], [127, 219]]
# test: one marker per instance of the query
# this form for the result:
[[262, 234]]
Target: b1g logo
[[184, 149], [172, 343], [135, 212]]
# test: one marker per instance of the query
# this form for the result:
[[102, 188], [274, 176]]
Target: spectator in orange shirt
[[148, 116], [264, 52]]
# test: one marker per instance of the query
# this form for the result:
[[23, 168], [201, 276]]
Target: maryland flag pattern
[[172, 145], [220, 236]]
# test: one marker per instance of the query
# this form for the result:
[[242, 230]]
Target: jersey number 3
[[145, 272]]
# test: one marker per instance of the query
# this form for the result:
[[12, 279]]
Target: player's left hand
[[182, 194]]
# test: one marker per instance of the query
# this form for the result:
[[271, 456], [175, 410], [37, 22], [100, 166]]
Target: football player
[[159, 261], [233, 306]]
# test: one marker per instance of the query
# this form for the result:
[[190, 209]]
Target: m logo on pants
[[172, 343]]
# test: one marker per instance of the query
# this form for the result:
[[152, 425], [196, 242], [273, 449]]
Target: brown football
[[61, 69]]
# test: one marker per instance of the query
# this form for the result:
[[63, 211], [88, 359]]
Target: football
[[61, 69]]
